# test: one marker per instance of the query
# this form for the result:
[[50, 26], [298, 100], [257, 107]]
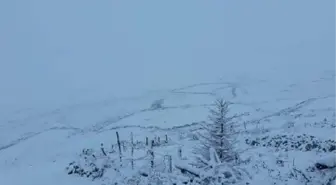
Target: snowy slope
[[53, 147], [74, 73]]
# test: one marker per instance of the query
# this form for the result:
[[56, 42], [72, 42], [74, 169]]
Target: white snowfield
[[328, 160], [72, 73], [36, 152]]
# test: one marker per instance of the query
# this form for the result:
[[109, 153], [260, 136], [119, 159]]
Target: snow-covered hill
[[73, 73], [40, 156]]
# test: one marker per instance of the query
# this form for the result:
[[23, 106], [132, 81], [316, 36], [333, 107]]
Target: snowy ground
[[35, 149], [72, 73]]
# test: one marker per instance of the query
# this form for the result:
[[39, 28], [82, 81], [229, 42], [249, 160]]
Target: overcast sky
[[55, 50]]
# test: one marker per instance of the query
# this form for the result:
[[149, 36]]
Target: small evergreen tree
[[219, 134]]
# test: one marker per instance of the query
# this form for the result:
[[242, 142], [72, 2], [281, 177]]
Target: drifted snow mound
[[294, 142], [329, 161]]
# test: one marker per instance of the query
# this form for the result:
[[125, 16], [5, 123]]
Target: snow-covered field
[[82, 80], [34, 151]]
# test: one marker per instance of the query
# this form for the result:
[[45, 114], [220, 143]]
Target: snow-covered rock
[[329, 161]]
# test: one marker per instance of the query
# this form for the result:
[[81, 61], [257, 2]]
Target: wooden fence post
[[119, 145], [179, 152], [102, 149], [132, 151], [170, 161], [152, 158], [152, 145]]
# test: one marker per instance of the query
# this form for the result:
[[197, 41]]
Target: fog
[[55, 53]]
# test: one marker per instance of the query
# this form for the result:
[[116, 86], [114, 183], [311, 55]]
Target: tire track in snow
[[31, 135], [97, 127], [289, 110], [213, 92], [198, 85], [151, 127], [101, 125]]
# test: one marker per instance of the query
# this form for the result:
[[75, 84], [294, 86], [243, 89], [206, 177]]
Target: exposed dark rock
[[290, 142]]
